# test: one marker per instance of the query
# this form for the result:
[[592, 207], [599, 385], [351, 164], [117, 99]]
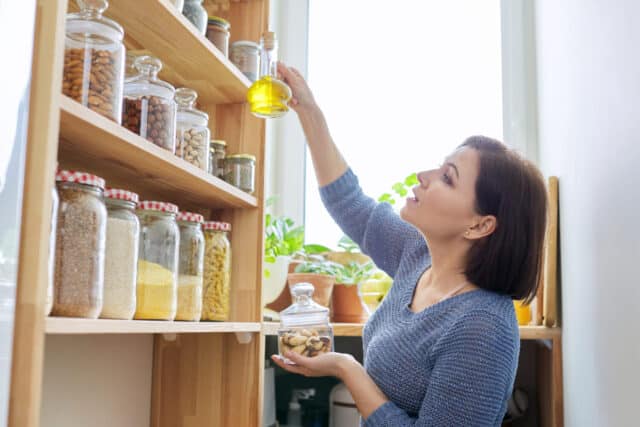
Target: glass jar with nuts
[[94, 59], [149, 109], [217, 271], [304, 325], [192, 133]]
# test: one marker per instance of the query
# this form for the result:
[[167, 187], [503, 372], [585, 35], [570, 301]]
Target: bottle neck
[[269, 62]]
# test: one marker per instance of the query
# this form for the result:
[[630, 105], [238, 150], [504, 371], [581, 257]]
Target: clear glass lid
[[304, 310], [147, 82], [187, 112], [89, 22]]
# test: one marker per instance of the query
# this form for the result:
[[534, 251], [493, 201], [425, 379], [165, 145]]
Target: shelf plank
[[355, 330], [107, 149], [73, 326], [189, 58]]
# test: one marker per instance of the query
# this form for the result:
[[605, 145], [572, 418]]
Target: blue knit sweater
[[452, 364]]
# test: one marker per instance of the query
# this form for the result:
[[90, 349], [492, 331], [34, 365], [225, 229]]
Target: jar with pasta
[[157, 282], [121, 255], [80, 245], [217, 271], [191, 266], [192, 133]]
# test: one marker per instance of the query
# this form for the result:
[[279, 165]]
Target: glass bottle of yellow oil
[[268, 96]]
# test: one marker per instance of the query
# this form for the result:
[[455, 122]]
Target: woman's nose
[[423, 178]]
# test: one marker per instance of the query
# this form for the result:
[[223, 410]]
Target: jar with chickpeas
[[192, 132], [217, 271]]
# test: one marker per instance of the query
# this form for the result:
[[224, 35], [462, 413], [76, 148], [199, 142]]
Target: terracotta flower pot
[[347, 306], [323, 285]]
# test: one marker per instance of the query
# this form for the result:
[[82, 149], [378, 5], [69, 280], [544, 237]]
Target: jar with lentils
[[94, 59], [240, 171], [218, 152], [192, 135], [148, 107], [217, 271], [121, 255], [190, 266], [157, 283], [80, 245]]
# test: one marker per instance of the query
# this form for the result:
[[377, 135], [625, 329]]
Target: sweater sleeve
[[472, 378], [374, 226]]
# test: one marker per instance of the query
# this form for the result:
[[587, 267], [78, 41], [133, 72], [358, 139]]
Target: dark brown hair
[[513, 190]]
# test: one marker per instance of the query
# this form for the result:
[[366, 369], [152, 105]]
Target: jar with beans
[[191, 265], [121, 255], [240, 171], [192, 136], [157, 282], [217, 271], [80, 245], [218, 33], [196, 14], [217, 151], [246, 56], [94, 59], [148, 108]]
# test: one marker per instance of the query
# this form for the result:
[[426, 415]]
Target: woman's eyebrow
[[454, 167]]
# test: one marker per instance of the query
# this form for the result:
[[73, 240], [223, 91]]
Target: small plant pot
[[322, 283], [345, 258], [347, 305]]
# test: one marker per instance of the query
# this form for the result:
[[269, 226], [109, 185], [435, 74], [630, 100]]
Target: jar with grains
[[217, 150], [94, 59], [149, 109], [217, 271], [52, 249], [191, 265], [192, 133], [218, 33], [196, 14], [239, 170], [157, 283], [80, 245], [245, 55], [121, 255]]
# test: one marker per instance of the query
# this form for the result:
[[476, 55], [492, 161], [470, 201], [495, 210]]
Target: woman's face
[[442, 206]]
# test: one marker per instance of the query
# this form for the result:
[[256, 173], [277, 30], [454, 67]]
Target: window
[[401, 84]]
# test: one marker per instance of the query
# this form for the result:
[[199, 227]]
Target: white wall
[[589, 117]]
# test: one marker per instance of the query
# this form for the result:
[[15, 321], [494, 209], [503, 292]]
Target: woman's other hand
[[302, 98], [324, 365]]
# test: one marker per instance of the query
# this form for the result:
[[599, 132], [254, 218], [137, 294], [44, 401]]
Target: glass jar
[[121, 255], [245, 55], [192, 133], [93, 72], [218, 33], [217, 151], [149, 109], [239, 170], [52, 250], [196, 13], [304, 325], [217, 271], [157, 261], [191, 266], [80, 245], [178, 5]]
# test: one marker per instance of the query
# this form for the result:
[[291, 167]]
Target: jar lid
[[216, 225], [90, 21], [190, 217], [147, 82], [152, 205], [118, 194], [246, 43], [242, 156], [219, 142], [187, 112], [80, 178], [304, 310], [221, 22]]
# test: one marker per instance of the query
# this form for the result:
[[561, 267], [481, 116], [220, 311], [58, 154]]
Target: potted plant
[[321, 274], [346, 302]]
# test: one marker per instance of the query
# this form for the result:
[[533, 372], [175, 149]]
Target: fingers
[[295, 369]]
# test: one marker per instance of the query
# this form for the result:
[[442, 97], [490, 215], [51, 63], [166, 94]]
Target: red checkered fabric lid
[[190, 217], [116, 193], [80, 178], [151, 205], [216, 225]]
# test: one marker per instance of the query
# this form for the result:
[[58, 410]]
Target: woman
[[442, 348]]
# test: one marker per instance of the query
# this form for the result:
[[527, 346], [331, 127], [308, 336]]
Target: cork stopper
[[269, 39]]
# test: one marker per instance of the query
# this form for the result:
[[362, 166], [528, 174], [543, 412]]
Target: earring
[[466, 233]]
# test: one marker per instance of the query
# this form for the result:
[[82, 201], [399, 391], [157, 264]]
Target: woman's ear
[[484, 226]]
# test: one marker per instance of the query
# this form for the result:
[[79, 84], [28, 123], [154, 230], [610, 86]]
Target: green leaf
[[411, 180], [400, 189], [386, 197], [313, 249]]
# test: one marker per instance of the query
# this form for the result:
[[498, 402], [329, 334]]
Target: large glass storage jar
[[192, 133], [121, 255], [240, 171], [157, 261], [94, 59], [52, 249], [217, 271], [80, 245], [304, 325], [197, 14], [218, 33], [218, 152], [191, 266], [149, 109], [245, 55]]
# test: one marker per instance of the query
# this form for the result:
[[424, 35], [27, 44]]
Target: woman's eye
[[446, 179]]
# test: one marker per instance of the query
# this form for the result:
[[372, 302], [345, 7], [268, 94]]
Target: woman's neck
[[447, 268]]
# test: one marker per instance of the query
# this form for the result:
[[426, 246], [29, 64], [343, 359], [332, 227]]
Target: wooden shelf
[[355, 330], [105, 148], [65, 325]]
